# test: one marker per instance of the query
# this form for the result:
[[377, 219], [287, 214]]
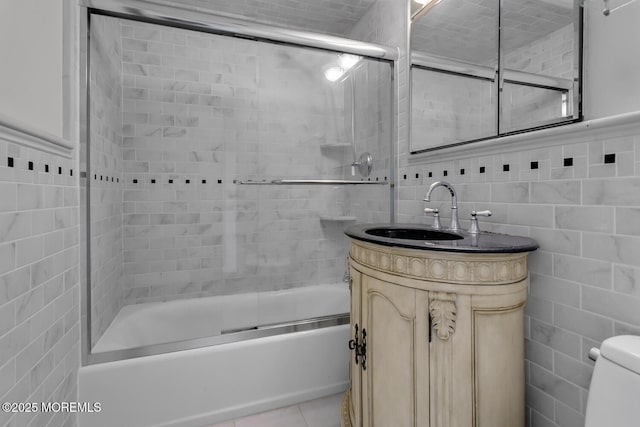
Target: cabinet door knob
[[360, 350]]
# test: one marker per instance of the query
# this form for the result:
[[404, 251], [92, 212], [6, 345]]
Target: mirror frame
[[416, 60]]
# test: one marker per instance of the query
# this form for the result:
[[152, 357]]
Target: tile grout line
[[304, 419]]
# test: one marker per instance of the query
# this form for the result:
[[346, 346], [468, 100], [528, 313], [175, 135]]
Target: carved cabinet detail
[[428, 352]]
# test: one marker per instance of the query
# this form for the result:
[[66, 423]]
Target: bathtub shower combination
[[221, 162]]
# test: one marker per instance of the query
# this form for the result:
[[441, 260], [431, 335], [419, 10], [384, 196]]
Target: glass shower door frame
[[185, 18]]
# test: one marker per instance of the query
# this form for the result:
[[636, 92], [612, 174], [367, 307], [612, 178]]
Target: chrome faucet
[[455, 224]]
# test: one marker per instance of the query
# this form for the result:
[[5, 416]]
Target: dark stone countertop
[[484, 242]]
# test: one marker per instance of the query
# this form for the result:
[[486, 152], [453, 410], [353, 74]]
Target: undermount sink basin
[[412, 233], [416, 236]]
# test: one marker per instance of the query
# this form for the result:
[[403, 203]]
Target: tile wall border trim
[[626, 123], [20, 133]]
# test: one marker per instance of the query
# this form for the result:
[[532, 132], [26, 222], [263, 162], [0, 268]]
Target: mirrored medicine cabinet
[[482, 69]]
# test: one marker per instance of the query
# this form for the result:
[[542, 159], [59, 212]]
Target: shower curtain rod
[[200, 19], [312, 182]]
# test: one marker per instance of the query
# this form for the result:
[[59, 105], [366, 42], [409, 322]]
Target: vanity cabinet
[[438, 337]]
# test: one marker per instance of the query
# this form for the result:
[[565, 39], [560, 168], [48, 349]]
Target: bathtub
[[210, 384]]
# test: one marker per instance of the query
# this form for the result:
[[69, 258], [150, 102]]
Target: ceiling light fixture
[[347, 61], [334, 73]]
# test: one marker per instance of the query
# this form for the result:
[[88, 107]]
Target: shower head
[[346, 61]]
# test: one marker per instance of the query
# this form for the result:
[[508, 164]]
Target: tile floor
[[323, 412]]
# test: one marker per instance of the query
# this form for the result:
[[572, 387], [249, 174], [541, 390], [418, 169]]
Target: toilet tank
[[614, 393]]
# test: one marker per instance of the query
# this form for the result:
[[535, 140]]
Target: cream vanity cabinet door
[[355, 391], [439, 353], [397, 354], [497, 328], [391, 389]]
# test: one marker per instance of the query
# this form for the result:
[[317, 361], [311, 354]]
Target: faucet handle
[[436, 216], [473, 227]]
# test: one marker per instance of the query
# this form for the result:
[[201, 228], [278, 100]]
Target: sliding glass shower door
[[219, 166]]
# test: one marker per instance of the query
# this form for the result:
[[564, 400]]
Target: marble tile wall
[[385, 23], [105, 174], [550, 56], [201, 112], [39, 282], [321, 16], [373, 135], [578, 199], [447, 108]]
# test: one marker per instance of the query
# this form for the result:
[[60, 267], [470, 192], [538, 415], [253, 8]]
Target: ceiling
[[461, 29], [334, 17], [468, 29]]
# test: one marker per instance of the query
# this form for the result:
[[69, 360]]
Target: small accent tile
[[505, 168], [534, 165], [610, 158], [568, 161]]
